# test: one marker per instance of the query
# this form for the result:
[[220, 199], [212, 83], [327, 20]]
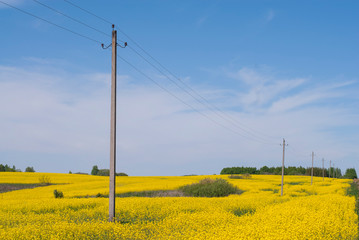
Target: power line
[[188, 105], [73, 19], [88, 12], [204, 102], [69, 30], [54, 24], [200, 99], [207, 103]]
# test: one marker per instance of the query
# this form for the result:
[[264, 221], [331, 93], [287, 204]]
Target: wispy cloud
[[270, 15], [307, 97], [248, 76], [43, 113]]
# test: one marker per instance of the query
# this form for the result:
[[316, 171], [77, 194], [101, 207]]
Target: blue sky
[[275, 69]]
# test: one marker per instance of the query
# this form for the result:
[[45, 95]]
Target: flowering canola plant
[[318, 211]]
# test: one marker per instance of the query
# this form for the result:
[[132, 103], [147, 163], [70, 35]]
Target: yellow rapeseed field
[[318, 211]]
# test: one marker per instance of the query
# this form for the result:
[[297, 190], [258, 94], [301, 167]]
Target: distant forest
[[7, 168], [287, 171]]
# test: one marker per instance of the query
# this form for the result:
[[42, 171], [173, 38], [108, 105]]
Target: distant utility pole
[[323, 168], [311, 183], [330, 167], [333, 171], [281, 192], [112, 193]]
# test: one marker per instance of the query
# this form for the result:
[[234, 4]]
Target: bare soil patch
[[7, 187]]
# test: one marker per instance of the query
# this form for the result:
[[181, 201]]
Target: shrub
[[44, 180], [29, 169], [210, 188], [247, 176], [235, 176], [122, 174], [99, 195], [58, 194]]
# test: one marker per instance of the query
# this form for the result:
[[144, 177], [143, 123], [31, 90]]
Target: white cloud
[[248, 76], [308, 97], [263, 94], [43, 113]]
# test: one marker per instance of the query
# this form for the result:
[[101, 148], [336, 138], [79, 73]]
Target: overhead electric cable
[[202, 100], [88, 12], [54, 24], [188, 105], [73, 19]]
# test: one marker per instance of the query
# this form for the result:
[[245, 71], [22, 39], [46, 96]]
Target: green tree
[[350, 173], [122, 174], [104, 172], [264, 170], [95, 170], [29, 169]]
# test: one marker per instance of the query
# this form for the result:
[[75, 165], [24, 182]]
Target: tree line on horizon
[[7, 168], [350, 173], [104, 172]]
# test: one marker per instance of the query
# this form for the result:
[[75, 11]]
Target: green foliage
[[244, 211], [287, 171], [247, 176], [243, 176], [7, 168], [210, 188], [95, 170], [353, 190], [29, 169], [58, 194], [234, 176], [99, 195], [350, 173], [294, 170], [44, 180], [239, 170], [122, 174], [103, 172]]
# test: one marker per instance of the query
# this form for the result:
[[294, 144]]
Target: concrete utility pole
[[311, 183], [112, 193], [281, 192], [323, 168]]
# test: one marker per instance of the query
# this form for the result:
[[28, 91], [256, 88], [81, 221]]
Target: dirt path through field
[[7, 187]]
